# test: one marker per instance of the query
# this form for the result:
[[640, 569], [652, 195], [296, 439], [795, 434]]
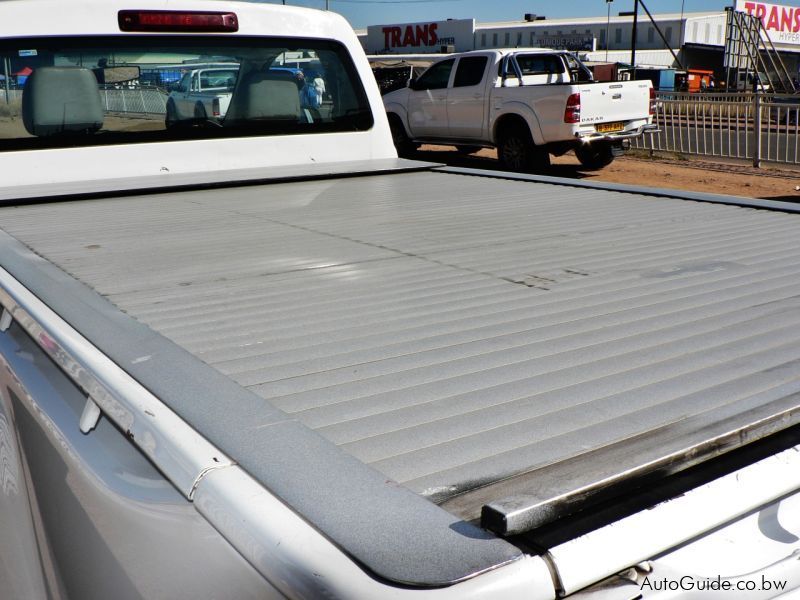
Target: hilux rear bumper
[[587, 136]]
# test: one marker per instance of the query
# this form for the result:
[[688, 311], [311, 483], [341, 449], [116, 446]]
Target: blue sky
[[361, 13]]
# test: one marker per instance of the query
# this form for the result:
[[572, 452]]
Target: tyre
[[402, 142], [518, 153], [595, 156], [171, 119]]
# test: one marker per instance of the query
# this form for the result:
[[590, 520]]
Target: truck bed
[[499, 346]]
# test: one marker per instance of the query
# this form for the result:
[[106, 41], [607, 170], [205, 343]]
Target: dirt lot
[[670, 171]]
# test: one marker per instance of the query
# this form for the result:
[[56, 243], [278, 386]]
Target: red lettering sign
[[783, 19], [773, 18], [410, 35]]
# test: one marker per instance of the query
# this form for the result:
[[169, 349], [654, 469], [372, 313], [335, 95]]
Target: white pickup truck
[[528, 103], [270, 359], [201, 94]]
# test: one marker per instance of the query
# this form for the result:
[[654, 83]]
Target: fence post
[[757, 108]]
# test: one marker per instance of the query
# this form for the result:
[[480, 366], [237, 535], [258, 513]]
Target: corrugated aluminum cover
[[456, 331]]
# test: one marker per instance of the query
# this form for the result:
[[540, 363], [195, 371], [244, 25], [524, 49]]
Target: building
[[698, 39]]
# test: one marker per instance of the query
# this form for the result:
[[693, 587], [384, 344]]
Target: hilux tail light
[[572, 113], [177, 21], [652, 101], [215, 107]]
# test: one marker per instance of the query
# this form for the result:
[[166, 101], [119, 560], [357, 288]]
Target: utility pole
[[7, 78], [608, 24], [633, 37]]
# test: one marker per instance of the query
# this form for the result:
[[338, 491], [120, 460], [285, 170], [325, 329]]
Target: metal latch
[[5, 320], [90, 416]]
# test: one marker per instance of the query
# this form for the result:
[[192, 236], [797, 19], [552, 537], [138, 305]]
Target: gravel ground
[[669, 171]]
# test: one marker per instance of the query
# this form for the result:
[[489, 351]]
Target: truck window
[[436, 77], [539, 64], [470, 70], [577, 71], [218, 79], [60, 92]]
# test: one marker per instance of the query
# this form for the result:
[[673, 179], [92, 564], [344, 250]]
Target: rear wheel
[[200, 112], [171, 118], [595, 156], [518, 153], [402, 142]]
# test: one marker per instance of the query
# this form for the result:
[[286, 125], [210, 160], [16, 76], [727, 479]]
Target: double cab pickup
[[528, 103]]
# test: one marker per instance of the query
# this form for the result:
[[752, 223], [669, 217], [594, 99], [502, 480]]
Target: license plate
[[609, 127]]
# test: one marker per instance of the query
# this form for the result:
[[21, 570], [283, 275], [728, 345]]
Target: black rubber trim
[[777, 205], [394, 534], [157, 184]]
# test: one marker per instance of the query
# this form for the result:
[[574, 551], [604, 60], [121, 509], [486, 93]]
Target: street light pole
[[633, 37], [7, 78], [608, 24]]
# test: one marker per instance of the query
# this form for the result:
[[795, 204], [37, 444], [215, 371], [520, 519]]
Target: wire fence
[[755, 127], [141, 100], [10, 96]]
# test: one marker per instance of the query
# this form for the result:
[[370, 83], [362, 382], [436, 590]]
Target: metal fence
[[137, 100], [755, 127], [10, 96], [142, 100]]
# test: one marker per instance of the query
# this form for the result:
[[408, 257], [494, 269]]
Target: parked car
[[201, 95], [528, 103]]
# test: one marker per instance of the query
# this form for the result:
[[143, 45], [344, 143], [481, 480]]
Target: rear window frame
[[363, 121]]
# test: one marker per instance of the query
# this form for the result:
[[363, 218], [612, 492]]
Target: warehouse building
[[698, 39]]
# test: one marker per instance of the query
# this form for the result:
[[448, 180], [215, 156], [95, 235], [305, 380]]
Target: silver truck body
[[381, 378]]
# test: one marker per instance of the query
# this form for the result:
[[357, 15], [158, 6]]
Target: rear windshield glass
[[88, 91], [539, 64]]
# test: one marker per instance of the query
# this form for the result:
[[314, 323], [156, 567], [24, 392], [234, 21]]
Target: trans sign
[[410, 38], [781, 22]]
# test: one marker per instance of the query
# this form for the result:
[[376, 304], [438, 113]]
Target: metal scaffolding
[[751, 60]]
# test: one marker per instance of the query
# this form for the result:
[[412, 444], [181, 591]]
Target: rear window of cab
[[57, 92]]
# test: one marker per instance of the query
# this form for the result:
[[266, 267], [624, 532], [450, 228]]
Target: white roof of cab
[[35, 18]]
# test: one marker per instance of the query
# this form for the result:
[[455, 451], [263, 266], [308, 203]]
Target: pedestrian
[[319, 88], [299, 79]]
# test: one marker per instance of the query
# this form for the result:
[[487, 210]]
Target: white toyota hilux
[[528, 103], [267, 358]]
